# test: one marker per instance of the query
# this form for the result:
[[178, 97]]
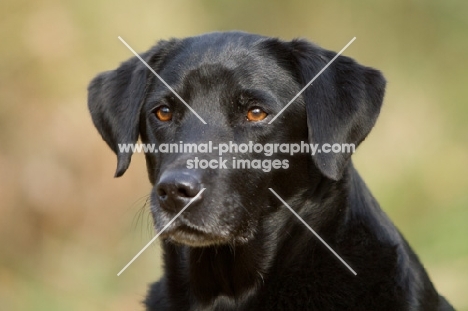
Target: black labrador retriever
[[237, 246]]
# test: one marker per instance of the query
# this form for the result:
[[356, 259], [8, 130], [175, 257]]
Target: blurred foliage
[[67, 227]]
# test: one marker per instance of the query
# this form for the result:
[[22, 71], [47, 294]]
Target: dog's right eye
[[163, 113], [256, 114]]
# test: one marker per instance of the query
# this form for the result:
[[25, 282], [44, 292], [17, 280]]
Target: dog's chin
[[198, 237], [188, 236]]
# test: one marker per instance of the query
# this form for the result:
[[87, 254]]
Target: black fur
[[237, 247]]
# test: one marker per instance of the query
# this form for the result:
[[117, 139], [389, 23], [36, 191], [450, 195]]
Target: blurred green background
[[67, 227]]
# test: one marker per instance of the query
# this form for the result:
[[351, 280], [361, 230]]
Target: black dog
[[237, 247]]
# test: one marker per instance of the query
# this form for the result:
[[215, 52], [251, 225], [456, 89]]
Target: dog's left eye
[[256, 114], [163, 113]]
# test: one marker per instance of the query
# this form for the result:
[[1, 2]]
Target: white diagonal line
[[159, 233], [161, 79], [312, 230], [316, 76]]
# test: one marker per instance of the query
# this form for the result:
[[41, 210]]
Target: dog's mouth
[[183, 232]]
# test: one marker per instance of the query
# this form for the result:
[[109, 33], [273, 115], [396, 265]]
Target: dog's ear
[[115, 99], [342, 104]]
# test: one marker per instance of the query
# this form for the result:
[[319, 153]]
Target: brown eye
[[256, 114], [163, 113]]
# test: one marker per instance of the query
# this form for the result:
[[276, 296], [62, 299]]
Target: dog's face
[[237, 91], [237, 83]]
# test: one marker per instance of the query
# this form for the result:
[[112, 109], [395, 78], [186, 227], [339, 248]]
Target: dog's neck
[[209, 276], [226, 271]]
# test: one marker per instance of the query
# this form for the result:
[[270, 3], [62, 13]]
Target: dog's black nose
[[176, 189]]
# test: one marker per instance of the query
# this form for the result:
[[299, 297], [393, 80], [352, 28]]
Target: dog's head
[[237, 83]]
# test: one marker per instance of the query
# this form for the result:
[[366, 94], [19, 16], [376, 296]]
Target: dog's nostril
[[183, 192], [174, 190], [161, 192]]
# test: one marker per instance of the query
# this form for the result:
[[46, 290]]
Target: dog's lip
[[184, 232], [183, 226], [191, 229]]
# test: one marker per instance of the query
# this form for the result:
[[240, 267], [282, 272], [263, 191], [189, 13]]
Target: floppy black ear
[[342, 104], [114, 100]]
